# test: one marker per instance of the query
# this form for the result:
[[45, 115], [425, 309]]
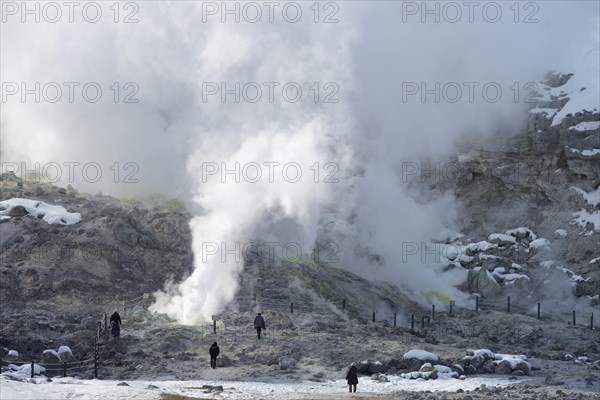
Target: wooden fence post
[[412, 322], [574, 321], [64, 369], [592, 321], [292, 307], [539, 309], [96, 357], [373, 315], [433, 312], [32, 369], [395, 318], [477, 304]]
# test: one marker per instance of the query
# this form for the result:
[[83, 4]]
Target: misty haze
[[409, 188]]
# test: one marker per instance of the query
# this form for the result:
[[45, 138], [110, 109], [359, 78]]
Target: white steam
[[278, 149], [172, 134]]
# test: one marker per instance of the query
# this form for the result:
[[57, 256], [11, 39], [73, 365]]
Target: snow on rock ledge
[[485, 361], [585, 219], [586, 126], [416, 358], [23, 372], [502, 239], [38, 209], [539, 244], [428, 371], [65, 354], [421, 355], [592, 198], [522, 233]]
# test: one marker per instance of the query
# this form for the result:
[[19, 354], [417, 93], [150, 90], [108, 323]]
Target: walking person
[[259, 324], [352, 378], [214, 352]]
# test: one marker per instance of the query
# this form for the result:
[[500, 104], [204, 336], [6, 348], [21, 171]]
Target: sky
[[264, 118]]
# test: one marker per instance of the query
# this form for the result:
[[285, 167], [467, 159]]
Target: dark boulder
[[18, 211]]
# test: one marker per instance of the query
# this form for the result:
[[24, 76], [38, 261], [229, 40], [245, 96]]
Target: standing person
[[259, 324], [352, 377], [214, 352], [115, 324], [116, 317]]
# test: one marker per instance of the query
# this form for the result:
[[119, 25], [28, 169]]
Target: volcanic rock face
[[117, 249], [545, 178]]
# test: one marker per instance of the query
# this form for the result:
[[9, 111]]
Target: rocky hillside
[[117, 250], [543, 179]]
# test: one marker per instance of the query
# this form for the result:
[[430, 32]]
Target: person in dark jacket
[[352, 378], [115, 324], [259, 324], [116, 317], [214, 352]]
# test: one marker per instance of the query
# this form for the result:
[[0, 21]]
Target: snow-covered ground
[[66, 388], [579, 99]]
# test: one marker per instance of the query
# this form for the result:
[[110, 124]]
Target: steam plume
[[173, 132]]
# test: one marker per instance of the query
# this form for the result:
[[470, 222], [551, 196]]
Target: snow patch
[[421, 355], [38, 209], [514, 277], [481, 246], [522, 232], [502, 237], [66, 350], [585, 126], [586, 153], [579, 99], [538, 244], [53, 352], [583, 218], [24, 371], [592, 198], [550, 112], [560, 233], [481, 352], [513, 359]]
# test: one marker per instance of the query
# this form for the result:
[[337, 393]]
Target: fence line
[[434, 321], [342, 307], [441, 323]]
